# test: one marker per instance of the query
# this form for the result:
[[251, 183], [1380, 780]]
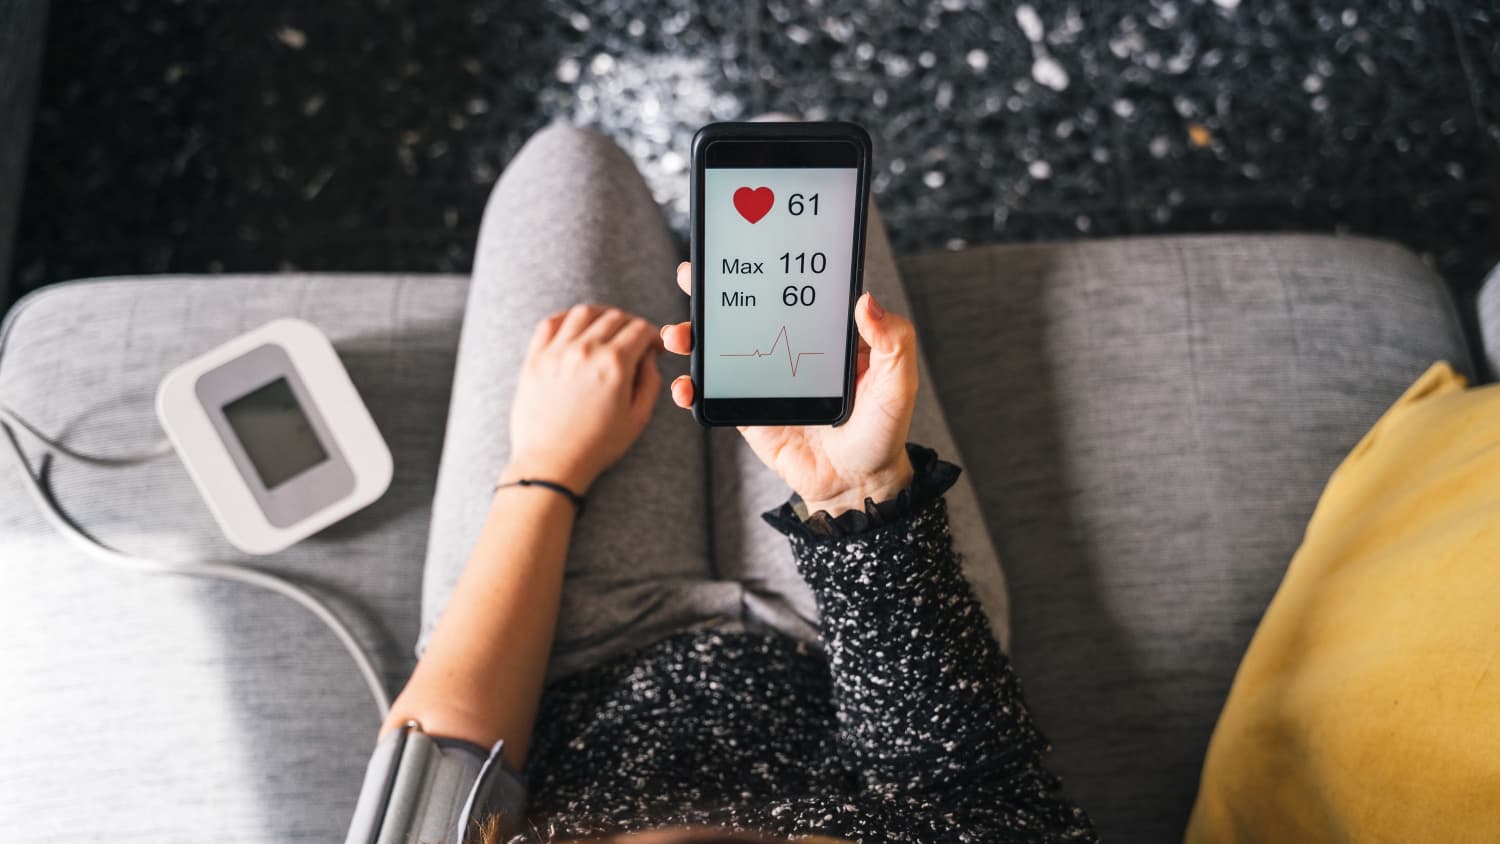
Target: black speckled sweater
[[910, 727]]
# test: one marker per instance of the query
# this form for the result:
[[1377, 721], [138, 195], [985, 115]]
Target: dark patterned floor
[[364, 134]]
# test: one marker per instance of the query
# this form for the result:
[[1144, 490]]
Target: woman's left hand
[[836, 468], [586, 392]]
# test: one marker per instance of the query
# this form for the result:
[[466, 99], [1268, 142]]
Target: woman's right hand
[[837, 468], [586, 392]]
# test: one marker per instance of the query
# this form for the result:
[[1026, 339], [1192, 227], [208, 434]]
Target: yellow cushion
[[1367, 707]]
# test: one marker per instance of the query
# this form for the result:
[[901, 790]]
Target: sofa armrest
[[155, 708]]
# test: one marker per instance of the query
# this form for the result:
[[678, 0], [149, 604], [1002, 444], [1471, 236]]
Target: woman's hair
[[489, 833]]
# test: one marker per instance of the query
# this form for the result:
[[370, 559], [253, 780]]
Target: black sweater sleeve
[[927, 703]]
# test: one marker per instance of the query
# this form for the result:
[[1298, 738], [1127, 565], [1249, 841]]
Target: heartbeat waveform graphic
[[792, 360]]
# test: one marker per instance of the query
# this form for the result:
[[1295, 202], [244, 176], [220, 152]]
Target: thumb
[[891, 337], [888, 386]]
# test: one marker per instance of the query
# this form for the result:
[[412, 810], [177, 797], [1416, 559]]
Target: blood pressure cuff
[[420, 789]]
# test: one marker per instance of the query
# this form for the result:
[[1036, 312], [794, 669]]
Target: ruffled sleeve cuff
[[930, 478]]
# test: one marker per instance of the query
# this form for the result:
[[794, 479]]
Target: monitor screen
[[275, 433]]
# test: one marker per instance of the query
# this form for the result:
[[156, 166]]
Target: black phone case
[[772, 132]]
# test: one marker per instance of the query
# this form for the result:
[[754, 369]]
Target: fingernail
[[662, 331], [876, 312]]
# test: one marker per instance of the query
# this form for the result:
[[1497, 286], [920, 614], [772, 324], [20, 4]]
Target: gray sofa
[[1148, 423]]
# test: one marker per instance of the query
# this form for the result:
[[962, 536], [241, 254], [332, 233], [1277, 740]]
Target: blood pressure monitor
[[274, 435]]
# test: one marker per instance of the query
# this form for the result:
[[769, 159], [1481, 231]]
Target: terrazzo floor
[[208, 135]]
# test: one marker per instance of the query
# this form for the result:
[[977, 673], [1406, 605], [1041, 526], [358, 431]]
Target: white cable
[[7, 415], [219, 571]]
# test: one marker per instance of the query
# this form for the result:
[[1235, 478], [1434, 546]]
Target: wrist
[[880, 485], [574, 477]]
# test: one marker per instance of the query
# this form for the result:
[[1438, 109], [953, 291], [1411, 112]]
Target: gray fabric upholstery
[[23, 25], [1489, 320], [157, 709], [1149, 423]]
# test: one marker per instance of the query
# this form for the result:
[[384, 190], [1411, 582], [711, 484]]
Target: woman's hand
[[586, 392], [837, 468]]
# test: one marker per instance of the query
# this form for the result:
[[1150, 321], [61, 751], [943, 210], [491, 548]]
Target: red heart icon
[[754, 204]]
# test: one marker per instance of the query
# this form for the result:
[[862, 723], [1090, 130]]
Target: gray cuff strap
[[417, 789]]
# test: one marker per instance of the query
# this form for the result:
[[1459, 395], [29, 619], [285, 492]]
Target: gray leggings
[[672, 539]]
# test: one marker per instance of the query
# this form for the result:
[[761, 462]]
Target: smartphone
[[777, 246]]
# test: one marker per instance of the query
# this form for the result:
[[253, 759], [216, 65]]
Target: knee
[[563, 145], [570, 165]]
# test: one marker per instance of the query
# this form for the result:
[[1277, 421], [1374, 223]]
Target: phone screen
[[778, 265]]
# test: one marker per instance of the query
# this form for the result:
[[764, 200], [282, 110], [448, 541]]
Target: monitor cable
[[35, 485]]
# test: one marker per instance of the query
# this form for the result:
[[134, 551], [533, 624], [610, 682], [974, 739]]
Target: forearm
[[928, 704], [483, 671], [916, 669]]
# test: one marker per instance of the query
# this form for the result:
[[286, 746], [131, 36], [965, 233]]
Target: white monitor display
[[275, 432]]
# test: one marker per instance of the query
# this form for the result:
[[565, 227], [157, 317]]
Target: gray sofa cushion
[[158, 709], [1148, 424]]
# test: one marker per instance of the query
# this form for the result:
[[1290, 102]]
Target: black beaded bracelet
[[555, 487]]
